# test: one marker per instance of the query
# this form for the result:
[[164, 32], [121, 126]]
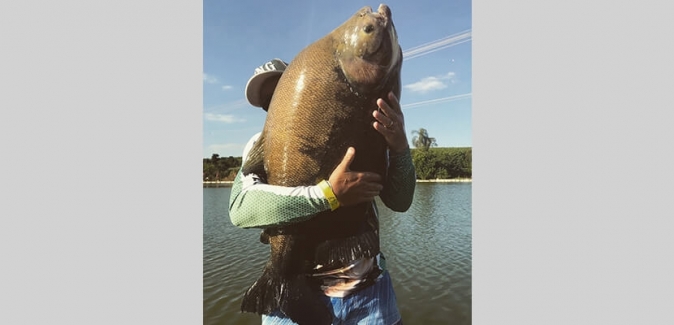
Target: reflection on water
[[427, 248]]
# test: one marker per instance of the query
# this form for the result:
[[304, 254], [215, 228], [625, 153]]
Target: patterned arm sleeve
[[254, 204], [398, 190]]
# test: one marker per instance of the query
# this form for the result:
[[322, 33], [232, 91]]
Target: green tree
[[424, 163], [219, 168], [422, 141], [442, 163], [209, 171]]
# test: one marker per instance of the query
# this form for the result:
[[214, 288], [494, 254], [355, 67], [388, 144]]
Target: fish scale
[[322, 105]]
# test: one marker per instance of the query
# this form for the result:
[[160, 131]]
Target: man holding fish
[[326, 266]]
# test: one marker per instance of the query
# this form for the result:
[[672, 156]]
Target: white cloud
[[227, 87], [229, 106], [226, 118], [210, 79], [428, 84]]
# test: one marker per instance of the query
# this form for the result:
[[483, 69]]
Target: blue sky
[[240, 35]]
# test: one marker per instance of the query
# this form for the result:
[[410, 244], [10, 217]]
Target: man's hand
[[390, 122], [352, 187]]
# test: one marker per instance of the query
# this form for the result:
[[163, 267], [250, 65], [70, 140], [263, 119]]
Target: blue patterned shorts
[[374, 305]]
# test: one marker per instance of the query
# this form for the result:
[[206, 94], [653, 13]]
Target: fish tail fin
[[263, 296], [293, 297]]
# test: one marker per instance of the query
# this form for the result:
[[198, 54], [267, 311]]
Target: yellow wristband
[[329, 194]]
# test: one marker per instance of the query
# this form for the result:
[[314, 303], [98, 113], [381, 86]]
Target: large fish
[[323, 104]]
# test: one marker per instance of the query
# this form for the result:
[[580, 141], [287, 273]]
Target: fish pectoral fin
[[254, 163], [264, 237]]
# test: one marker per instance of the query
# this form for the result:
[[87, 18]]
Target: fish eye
[[368, 29]]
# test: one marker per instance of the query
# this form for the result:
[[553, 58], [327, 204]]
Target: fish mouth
[[369, 47], [374, 26], [382, 16], [384, 11]]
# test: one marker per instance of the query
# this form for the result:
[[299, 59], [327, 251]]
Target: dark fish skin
[[283, 284], [323, 104]]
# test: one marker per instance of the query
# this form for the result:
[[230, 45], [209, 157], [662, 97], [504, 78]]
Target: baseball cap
[[271, 69]]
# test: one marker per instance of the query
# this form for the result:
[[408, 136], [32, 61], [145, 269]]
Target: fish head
[[367, 47]]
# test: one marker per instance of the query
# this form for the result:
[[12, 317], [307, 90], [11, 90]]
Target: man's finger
[[395, 104], [370, 177], [348, 158], [384, 107]]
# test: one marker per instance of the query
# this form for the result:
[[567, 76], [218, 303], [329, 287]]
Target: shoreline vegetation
[[449, 180], [448, 164]]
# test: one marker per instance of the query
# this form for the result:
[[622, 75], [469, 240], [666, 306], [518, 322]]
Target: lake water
[[428, 254]]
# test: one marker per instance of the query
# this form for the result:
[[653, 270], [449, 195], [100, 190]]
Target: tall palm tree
[[422, 140]]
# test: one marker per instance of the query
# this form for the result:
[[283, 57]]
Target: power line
[[436, 101], [411, 53], [443, 43]]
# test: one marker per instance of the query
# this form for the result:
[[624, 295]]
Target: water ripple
[[428, 253]]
